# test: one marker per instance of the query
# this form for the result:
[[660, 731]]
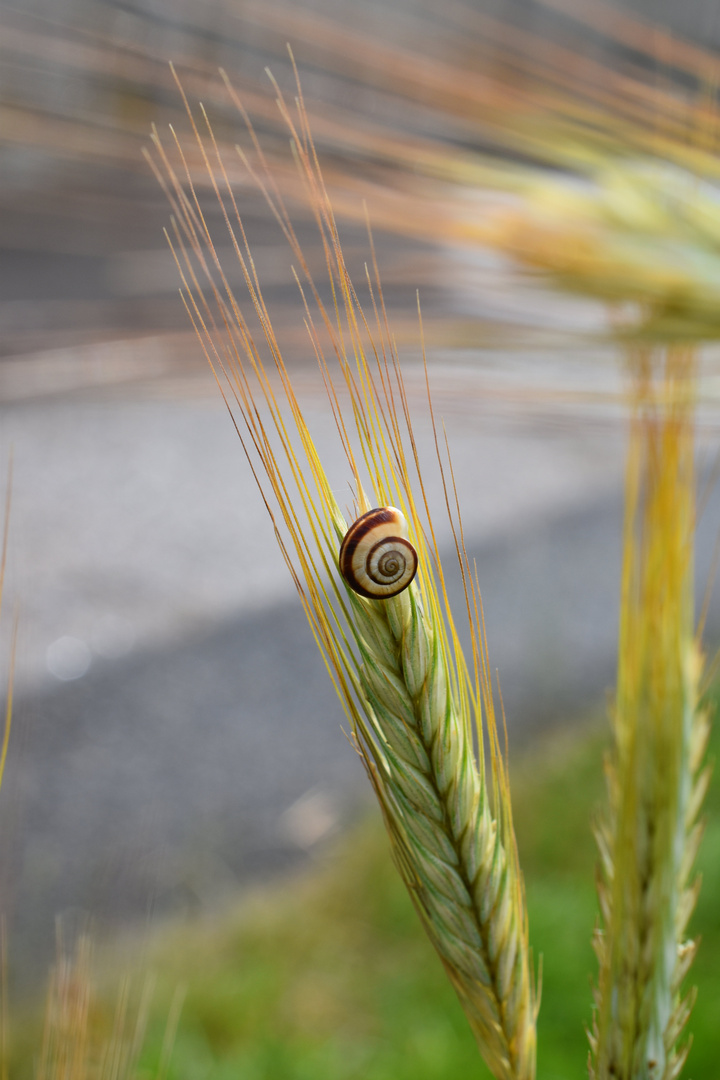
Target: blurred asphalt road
[[176, 733]]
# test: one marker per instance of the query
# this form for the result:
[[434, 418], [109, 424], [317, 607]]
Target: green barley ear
[[656, 779], [420, 715]]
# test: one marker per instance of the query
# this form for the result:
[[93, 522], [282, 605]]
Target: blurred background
[[176, 737]]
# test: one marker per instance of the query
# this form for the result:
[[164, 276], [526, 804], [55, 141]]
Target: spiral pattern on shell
[[376, 558]]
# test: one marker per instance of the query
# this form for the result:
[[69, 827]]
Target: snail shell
[[376, 558]]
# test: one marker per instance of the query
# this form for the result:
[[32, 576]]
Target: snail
[[376, 558]]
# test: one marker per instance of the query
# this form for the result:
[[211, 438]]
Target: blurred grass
[[327, 976]]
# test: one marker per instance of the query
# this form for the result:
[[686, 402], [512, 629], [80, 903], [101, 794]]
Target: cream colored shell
[[376, 558]]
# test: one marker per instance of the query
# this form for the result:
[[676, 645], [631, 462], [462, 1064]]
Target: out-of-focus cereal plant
[[79, 1040], [86, 1038], [645, 237], [642, 235]]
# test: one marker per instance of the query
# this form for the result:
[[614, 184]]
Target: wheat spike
[[415, 707]]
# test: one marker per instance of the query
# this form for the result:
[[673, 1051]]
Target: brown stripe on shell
[[357, 532]]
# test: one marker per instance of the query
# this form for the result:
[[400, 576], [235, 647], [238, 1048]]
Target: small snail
[[376, 558]]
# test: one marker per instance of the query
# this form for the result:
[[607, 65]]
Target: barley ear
[[656, 778], [457, 858], [420, 715]]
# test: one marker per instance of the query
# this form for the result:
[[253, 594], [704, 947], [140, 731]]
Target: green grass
[[328, 976]]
